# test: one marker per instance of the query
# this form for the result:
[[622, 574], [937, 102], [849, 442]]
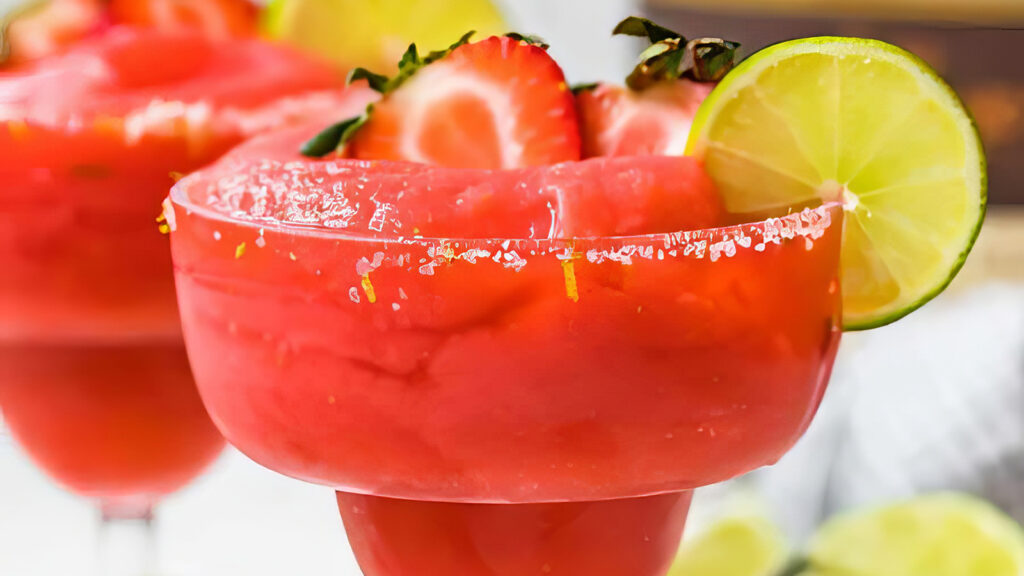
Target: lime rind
[[272, 18], [733, 546], [375, 34], [897, 262], [941, 534]]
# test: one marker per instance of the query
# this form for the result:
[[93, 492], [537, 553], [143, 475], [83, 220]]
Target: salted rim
[[179, 197]]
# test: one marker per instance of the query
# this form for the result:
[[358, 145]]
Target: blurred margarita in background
[[99, 115]]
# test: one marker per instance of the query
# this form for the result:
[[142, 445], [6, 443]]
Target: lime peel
[[866, 123], [942, 534]]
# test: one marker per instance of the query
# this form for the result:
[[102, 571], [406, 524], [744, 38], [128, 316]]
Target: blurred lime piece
[[935, 535], [862, 122], [739, 546], [375, 33]]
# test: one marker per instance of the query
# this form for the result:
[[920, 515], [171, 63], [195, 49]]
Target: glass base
[[625, 537]]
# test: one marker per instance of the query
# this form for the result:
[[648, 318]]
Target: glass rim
[[179, 198]]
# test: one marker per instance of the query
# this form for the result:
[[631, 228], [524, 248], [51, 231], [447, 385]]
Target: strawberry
[[618, 121], [216, 18], [495, 104], [653, 113], [37, 29], [44, 27]]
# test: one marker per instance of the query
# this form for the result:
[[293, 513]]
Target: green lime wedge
[[741, 546], [375, 33], [865, 123], [935, 535]]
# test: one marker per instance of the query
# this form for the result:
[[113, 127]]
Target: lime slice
[[375, 33], [936, 535], [866, 123], [741, 546]]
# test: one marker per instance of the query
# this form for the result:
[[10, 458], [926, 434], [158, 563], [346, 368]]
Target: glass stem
[[127, 541]]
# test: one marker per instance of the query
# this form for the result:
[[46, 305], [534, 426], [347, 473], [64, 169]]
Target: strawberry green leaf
[[377, 82], [529, 39], [410, 60], [712, 58], [335, 136], [662, 61], [580, 88], [644, 28], [439, 54], [670, 56]]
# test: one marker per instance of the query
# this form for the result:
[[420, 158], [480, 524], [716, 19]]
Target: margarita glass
[[94, 381], [512, 405]]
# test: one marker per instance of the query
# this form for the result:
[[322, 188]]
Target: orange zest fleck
[[108, 125], [371, 296], [448, 253], [18, 129], [571, 289], [239, 250], [162, 224]]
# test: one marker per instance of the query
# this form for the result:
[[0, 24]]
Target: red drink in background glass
[[94, 382], [512, 403]]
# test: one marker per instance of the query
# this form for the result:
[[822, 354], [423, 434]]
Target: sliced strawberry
[[496, 104], [618, 121], [216, 18]]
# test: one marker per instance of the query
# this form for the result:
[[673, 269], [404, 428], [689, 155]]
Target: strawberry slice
[[652, 115], [495, 104], [617, 121]]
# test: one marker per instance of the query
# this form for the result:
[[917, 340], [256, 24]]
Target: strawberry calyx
[[410, 63], [334, 137], [530, 39], [671, 56]]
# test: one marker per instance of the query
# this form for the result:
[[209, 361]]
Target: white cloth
[[933, 402]]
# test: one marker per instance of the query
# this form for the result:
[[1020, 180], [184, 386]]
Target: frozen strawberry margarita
[[506, 358], [94, 382]]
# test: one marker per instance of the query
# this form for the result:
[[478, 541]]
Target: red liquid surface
[[94, 381]]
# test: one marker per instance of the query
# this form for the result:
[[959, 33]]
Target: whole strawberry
[[652, 114]]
